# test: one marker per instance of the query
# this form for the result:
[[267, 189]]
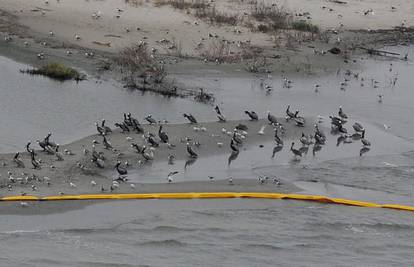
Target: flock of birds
[[152, 141]]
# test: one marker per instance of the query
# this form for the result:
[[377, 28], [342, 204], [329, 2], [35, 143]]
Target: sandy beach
[[180, 40]]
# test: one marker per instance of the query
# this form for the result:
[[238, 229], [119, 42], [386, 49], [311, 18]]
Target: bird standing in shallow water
[[364, 141], [295, 152]]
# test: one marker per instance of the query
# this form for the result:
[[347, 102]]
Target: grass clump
[[304, 26], [56, 71], [183, 4], [59, 71], [213, 16]]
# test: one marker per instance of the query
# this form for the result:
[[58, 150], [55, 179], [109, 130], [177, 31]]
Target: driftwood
[[338, 2], [372, 51], [102, 44]]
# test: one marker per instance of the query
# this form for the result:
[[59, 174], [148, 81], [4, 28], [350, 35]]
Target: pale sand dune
[[69, 18]]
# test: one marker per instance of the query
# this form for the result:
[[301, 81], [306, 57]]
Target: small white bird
[[93, 183], [219, 144], [72, 185], [132, 186], [128, 138], [261, 131], [24, 204]]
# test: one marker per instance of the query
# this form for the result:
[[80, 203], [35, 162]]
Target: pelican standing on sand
[[272, 119], [191, 151], [121, 170], [220, 115], [190, 118], [252, 115]]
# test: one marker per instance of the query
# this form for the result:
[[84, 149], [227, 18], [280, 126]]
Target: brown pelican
[[278, 140], [191, 151], [342, 114], [272, 119], [121, 170], [295, 152], [233, 146], [252, 115], [220, 116], [105, 128], [190, 118], [150, 119], [364, 141], [162, 135], [18, 161]]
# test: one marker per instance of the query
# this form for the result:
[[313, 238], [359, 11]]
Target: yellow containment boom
[[212, 195]]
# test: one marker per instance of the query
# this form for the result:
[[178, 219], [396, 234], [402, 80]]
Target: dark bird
[[241, 127], [35, 163], [232, 157], [127, 120], [342, 114], [304, 140], [150, 119], [48, 142], [275, 150], [18, 161], [42, 144], [278, 140], [189, 162], [137, 126], [190, 118], [358, 127], [340, 139], [106, 143], [220, 115], [105, 128], [121, 170], [363, 150], [163, 135], [236, 139], [137, 147], [300, 121], [191, 151], [233, 146], [28, 148], [151, 140], [99, 129], [364, 141], [124, 128], [289, 114], [316, 148], [295, 152], [252, 115], [272, 119]]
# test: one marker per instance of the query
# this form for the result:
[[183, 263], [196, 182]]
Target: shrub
[[56, 71], [304, 26]]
